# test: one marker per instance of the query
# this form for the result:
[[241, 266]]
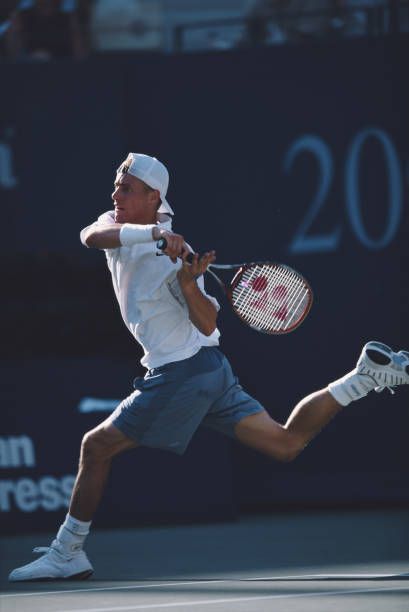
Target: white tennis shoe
[[382, 367], [55, 564]]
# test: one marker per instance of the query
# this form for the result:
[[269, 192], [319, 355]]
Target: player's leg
[[378, 367], [285, 442], [65, 557], [163, 412], [98, 448]]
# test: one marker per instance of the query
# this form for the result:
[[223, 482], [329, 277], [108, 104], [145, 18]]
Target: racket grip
[[162, 243]]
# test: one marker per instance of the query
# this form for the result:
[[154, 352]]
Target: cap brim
[[165, 207]]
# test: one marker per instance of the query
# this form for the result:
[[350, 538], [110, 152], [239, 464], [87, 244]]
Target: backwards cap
[[152, 172]]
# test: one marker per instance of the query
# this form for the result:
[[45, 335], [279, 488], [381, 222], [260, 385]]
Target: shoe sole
[[378, 356], [379, 353], [79, 576]]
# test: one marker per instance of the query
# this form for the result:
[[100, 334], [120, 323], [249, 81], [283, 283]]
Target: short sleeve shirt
[[151, 302]]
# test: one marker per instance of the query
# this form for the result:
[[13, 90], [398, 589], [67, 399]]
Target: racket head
[[271, 298]]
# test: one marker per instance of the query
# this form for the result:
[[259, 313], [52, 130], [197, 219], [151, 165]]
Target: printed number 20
[[305, 242]]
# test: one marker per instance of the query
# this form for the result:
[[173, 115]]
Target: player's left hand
[[189, 272]]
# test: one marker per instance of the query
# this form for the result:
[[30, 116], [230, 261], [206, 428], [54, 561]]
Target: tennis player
[[189, 381]]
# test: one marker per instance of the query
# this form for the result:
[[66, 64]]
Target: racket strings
[[272, 315], [258, 309], [291, 306], [292, 302], [271, 297], [289, 302], [248, 278], [299, 304], [278, 309]]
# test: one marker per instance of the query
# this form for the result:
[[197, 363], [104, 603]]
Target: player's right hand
[[176, 245]]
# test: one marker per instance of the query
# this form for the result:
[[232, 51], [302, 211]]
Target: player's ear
[[154, 197]]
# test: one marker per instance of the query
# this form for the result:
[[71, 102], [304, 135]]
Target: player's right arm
[[110, 236], [101, 236]]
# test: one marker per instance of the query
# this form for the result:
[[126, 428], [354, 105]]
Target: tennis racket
[[269, 297]]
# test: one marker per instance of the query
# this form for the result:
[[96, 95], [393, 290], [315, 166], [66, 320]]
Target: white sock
[[72, 533], [350, 387]]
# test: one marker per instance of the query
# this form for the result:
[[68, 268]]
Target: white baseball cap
[[152, 172]]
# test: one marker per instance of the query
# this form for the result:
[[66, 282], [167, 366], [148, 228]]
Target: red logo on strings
[[269, 296]]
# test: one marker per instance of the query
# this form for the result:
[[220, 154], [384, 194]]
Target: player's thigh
[[263, 433], [108, 440]]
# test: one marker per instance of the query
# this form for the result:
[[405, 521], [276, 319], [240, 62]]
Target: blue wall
[[295, 154]]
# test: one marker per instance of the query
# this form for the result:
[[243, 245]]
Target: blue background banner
[[289, 154]]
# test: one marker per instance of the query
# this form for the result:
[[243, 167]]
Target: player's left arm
[[202, 312]]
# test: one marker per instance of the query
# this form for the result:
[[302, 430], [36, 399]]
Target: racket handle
[[162, 243]]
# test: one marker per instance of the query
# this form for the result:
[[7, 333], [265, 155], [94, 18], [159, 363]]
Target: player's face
[[134, 203]]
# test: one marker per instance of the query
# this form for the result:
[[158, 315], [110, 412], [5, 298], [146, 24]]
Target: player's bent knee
[[288, 455], [93, 448], [289, 451]]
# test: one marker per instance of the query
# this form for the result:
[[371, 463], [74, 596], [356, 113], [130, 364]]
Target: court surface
[[292, 562]]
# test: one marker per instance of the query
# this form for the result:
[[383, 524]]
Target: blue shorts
[[171, 402]]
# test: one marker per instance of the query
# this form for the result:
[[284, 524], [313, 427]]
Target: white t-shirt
[[151, 301]]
